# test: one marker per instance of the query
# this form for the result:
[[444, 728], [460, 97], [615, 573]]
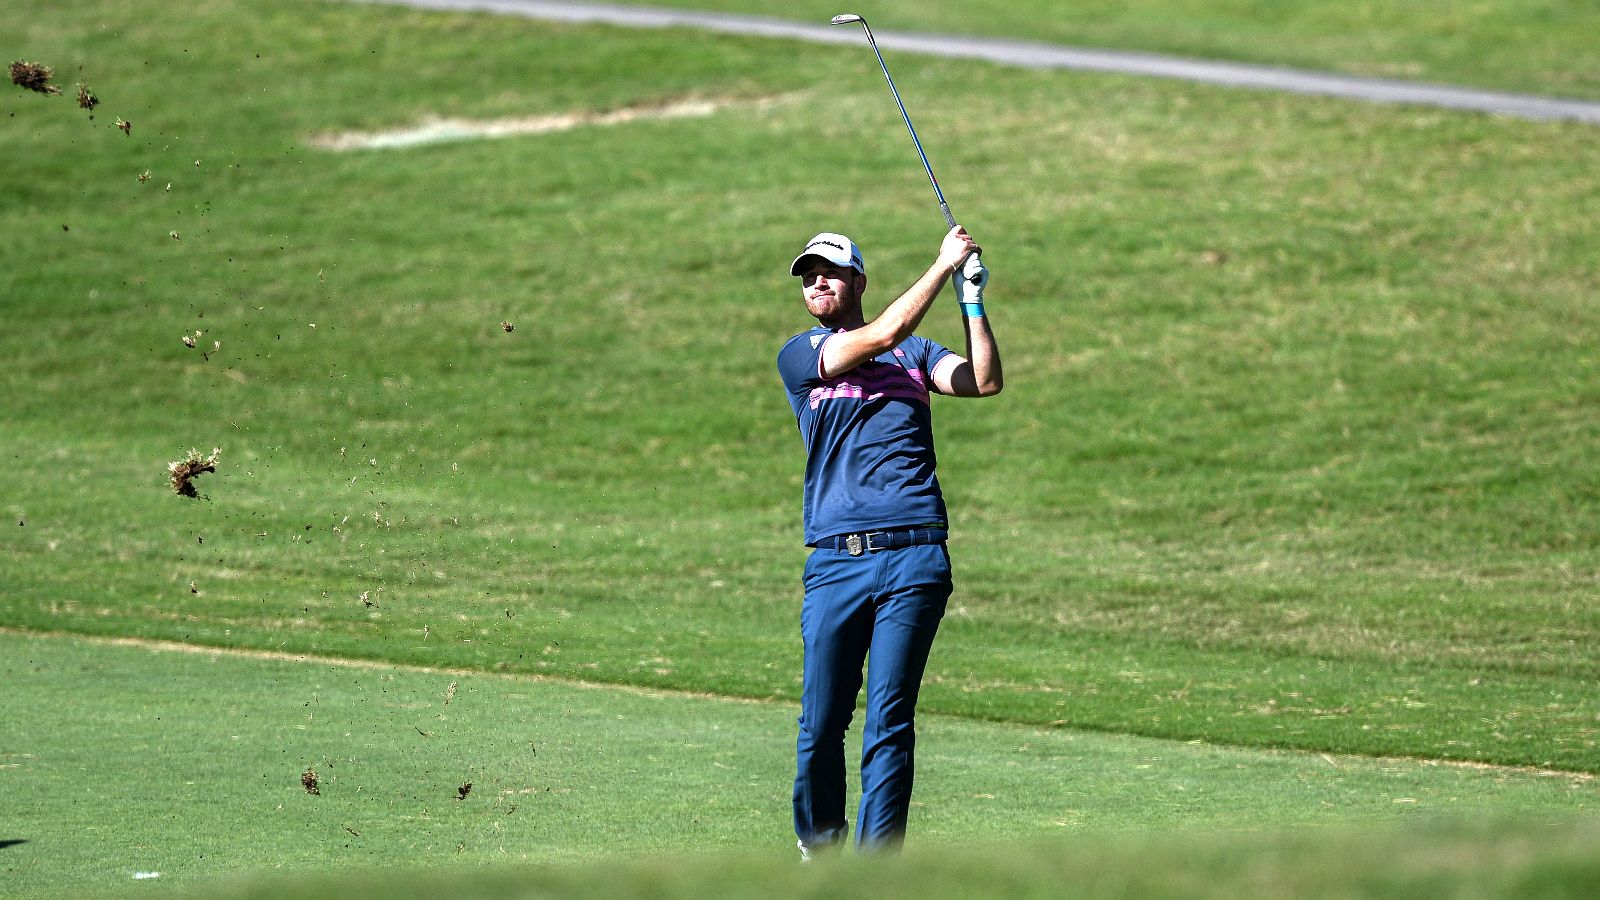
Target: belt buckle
[[852, 544], [883, 534]]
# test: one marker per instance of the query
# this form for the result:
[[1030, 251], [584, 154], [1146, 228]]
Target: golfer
[[878, 577]]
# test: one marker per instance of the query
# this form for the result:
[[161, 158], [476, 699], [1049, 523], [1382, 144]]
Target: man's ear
[[860, 280]]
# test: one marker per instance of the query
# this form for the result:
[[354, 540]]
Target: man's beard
[[845, 303]]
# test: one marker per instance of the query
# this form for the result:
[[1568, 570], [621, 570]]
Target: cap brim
[[794, 267]]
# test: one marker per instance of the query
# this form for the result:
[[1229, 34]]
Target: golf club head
[[845, 19]]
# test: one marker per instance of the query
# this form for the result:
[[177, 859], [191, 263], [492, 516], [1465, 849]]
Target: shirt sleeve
[[800, 361], [931, 355]]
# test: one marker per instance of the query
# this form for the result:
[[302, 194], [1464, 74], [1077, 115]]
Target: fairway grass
[[190, 764]]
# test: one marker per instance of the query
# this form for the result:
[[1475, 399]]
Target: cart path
[[1032, 54]]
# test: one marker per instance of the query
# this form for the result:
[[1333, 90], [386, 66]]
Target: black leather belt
[[874, 541]]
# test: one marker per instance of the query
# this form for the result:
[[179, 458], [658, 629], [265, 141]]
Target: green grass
[[171, 757], [1549, 862], [1297, 449], [1539, 47], [1334, 491]]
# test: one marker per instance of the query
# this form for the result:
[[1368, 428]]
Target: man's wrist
[[972, 310]]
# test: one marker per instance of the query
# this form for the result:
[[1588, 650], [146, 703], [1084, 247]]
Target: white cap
[[835, 248]]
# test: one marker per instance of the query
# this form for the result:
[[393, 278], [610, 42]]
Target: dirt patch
[[182, 473], [33, 76], [436, 130]]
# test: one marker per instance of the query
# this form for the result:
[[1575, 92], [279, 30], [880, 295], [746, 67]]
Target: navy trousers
[[882, 608]]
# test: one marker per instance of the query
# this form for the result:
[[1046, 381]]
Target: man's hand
[[970, 280], [979, 374], [955, 249]]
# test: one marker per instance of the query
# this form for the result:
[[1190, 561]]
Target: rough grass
[[1494, 859], [1296, 452]]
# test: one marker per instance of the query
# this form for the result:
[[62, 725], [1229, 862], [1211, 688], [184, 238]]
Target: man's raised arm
[[849, 349], [979, 373]]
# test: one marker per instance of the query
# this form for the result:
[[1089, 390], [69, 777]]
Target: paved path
[[1045, 56]]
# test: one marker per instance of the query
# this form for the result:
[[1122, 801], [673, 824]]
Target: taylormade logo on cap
[[835, 248]]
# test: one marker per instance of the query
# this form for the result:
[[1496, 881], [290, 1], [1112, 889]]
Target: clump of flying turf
[[308, 780], [86, 97], [33, 76], [183, 472]]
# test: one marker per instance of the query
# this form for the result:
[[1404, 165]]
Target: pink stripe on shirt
[[872, 382]]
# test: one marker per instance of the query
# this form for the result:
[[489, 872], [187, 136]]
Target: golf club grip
[[951, 221]]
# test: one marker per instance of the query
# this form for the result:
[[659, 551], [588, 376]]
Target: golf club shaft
[[943, 206]]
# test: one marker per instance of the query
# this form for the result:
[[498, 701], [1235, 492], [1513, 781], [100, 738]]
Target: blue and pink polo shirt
[[868, 435]]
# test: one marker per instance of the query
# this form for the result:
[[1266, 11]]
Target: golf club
[[848, 18]]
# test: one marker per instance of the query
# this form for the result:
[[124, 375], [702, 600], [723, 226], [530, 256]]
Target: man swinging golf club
[[878, 579]]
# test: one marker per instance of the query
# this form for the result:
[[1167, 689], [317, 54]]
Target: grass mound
[[1529, 861]]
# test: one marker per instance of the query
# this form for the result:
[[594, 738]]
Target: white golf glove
[[970, 280]]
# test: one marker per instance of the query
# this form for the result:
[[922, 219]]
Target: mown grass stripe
[[166, 646]]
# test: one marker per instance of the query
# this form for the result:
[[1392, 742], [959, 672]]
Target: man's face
[[832, 292]]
